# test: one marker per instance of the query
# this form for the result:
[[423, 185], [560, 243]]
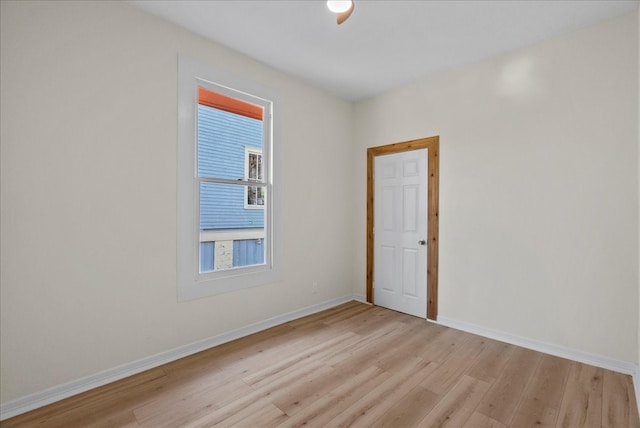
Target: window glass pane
[[255, 197], [254, 162], [207, 254], [248, 252], [223, 139], [232, 233], [222, 207]]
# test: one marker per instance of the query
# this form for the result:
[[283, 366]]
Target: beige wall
[[538, 187], [88, 193]]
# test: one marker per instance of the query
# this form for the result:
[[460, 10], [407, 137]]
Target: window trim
[[191, 284]]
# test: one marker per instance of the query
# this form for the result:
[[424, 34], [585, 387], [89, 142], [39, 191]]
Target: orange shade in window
[[232, 105]]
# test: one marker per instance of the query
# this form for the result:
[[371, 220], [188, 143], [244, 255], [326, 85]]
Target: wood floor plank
[[457, 406], [373, 405], [443, 345], [282, 364], [360, 366], [382, 333], [582, 401], [218, 415], [392, 399], [619, 401], [290, 378], [304, 391], [502, 399], [377, 319], [542, 398], [187, 406], [371, 351], [256, 413], [124, 419], [448, 373], [320, 412], [478, 420], [491, 361], [412, 346], [409, 410]]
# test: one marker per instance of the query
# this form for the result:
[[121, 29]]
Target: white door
[[400, 232]]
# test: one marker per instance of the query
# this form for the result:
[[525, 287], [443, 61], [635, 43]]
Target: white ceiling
[[384, 44]]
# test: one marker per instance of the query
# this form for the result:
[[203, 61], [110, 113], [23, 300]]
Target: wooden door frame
[[433, 144]]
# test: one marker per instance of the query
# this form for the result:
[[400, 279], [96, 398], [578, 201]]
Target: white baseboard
[[548, 348], [57, 393]]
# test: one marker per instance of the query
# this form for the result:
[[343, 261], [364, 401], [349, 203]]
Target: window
[[227, 232], [254, 196]]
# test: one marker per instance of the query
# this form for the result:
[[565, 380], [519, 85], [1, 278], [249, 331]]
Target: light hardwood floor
[[355, 365]]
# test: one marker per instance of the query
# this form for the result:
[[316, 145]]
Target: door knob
[[422, 242]]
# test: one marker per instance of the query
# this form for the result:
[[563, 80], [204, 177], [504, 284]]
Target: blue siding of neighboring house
[[222, 138], [207, 253], [248, 252]]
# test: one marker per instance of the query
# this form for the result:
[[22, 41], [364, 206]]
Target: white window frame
[[248, 151], [191, 283]]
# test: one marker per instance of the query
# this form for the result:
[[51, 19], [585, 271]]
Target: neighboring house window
[[227, 232], [254, 195]]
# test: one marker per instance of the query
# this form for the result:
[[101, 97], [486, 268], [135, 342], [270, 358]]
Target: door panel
[[388, 264], [387, 208], [410, 208], [400, 262], [410, 264]]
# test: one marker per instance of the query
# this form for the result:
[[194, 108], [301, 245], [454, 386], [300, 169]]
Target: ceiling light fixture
[[342, 8]]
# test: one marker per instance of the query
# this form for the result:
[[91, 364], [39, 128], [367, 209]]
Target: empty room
[[310, 213]]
